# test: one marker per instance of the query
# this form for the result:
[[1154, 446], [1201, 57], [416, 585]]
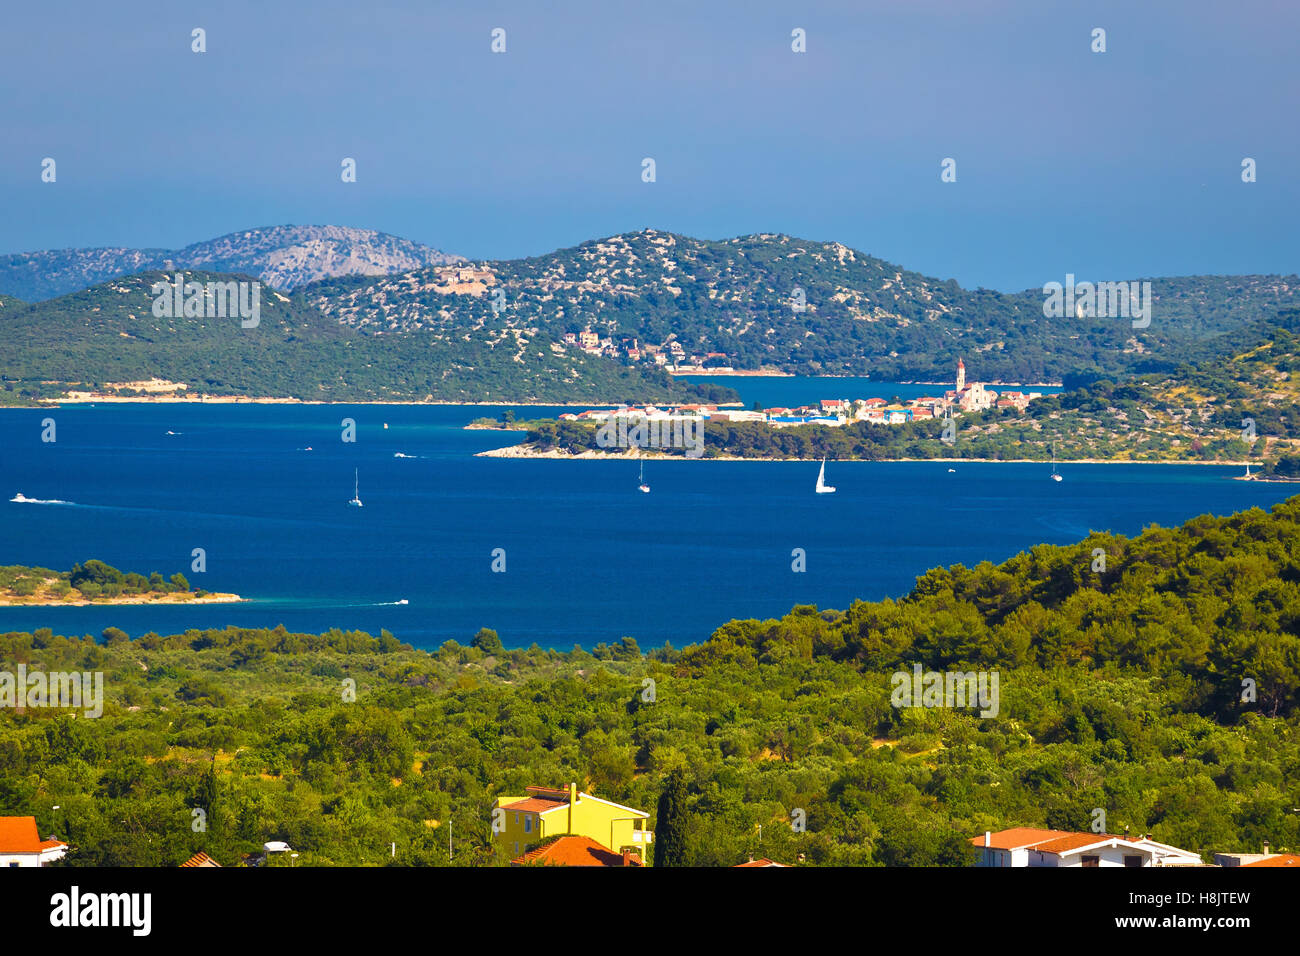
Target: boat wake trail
[[22, 499]]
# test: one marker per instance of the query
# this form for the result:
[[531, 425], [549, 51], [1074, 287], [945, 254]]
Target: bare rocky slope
[[282, 256]]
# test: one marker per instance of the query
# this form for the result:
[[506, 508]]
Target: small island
[[98, 583]]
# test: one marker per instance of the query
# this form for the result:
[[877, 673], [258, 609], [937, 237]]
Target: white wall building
[[1029, 846]]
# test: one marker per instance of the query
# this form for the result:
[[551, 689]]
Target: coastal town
[[963, 397]]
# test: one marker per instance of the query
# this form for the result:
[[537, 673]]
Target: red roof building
[[1031, 846], [22, 846], [575, 851]]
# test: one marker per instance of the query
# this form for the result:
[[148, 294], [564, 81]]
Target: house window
[[528, 823], [1132, 861], [1091, 861]]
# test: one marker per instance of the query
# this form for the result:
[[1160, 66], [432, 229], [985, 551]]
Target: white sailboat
[[356, 491], [822, 487], [643, 486], [1055, 474]]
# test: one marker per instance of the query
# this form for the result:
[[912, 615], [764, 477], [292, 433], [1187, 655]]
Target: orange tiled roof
[[1281, 859], [762, 862], [18, 835], [1074, 841], [53, 845], [201, 859], [1017, 838], [572, 851], [1047, 841]]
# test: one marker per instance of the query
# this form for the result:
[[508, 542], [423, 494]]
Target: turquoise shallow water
[[588, 558]]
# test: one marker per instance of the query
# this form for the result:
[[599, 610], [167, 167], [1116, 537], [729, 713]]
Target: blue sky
[[1114, 165]]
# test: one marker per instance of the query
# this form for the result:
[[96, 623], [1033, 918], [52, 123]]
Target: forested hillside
[[109, 334], [862, 315], [1123, 688], [495, 330]]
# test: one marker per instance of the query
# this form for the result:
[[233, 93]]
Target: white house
[[21, 844], [1029, 846]]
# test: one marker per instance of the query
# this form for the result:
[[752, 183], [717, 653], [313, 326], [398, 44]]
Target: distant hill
[[441, 326], [107, 340], [282, 256], [863, 315]]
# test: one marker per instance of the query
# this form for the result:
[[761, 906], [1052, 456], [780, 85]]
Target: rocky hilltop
[[282, 256]]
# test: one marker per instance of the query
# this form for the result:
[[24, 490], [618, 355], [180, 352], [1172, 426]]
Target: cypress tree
[[670, 823]]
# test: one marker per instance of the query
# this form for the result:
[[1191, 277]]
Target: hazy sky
[[1107, 165]]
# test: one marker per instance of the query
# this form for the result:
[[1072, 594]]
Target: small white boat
[[20, 497], [356, 491], [643, 487], [403, 601], [952, 471], [822, 487]]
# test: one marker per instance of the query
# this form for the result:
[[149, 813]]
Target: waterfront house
[[547, 813]]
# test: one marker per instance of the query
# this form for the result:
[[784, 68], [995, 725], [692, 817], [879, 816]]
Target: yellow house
[[520, 822]]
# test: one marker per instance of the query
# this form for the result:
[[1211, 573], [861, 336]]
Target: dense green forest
[[1122, 686], [108, 334], [863, 315]]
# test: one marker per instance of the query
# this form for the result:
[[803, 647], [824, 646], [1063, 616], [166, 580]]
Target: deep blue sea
[[588, 558]]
